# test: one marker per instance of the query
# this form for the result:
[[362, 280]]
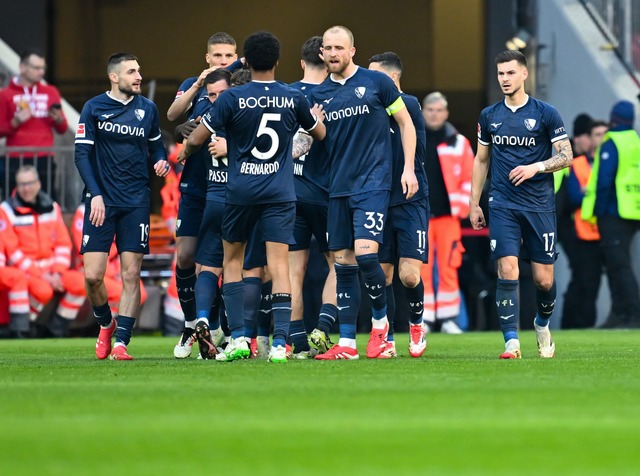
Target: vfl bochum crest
[[140, 114], [360, 91], [530, 124]]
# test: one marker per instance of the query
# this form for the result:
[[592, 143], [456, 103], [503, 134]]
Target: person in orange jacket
[[448, 163], [14, 287], [38, 242]]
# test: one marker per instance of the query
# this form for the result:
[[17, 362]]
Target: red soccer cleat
[[103, 344], [417, 340], [119, 352], [338, 352], [377, 342]]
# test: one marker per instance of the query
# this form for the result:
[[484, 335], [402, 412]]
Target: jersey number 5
[[265, 129]]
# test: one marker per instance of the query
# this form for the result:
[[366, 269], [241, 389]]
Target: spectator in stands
[[37, 241], [30, 111], [448, 164]]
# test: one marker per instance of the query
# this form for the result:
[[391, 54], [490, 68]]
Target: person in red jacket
[[448, 163], [37, 242], [30, 112]]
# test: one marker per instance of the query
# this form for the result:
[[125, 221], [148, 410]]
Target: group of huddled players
[[337, 156]]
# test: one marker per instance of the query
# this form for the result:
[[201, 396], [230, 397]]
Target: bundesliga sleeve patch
[[396, 106], [80, 134]]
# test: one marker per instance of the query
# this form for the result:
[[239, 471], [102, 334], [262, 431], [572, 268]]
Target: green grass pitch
[[456, 410]]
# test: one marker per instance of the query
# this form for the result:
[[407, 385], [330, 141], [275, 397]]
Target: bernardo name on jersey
[[260, 119]]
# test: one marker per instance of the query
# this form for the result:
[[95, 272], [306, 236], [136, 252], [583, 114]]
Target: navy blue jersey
[[520, 137], [397, 197], [358, 140], [193, 178], [311, 170], [260, 119], [112, 147], [217, 173]]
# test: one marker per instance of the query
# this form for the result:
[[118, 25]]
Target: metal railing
[[58, 175], [620, 22]]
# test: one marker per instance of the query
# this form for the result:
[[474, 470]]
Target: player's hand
[[96, 217], [409, 183], [182, 157], [476, 216], [161, 168], [318, 111], [200, 81], [218, 148], [522, 173], [190, 126]]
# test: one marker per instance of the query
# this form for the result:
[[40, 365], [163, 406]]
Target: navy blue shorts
[[311, 219], [529, 235], [276, 222], [406, 232], [190, 212], [129, 225], [255, 254], [209, 249], [356, 217]]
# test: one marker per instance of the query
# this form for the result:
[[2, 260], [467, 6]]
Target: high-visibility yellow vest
[[627, 176]]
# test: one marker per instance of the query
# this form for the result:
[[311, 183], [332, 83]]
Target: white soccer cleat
[[546, 346], [511, 350], [450, 327], [278, 354], [218, 338], [183, 348]]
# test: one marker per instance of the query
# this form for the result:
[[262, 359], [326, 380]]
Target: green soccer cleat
[[236, 350], [320, 341]]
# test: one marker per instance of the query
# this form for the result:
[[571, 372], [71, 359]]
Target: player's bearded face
[[337, 52], [130, 79]]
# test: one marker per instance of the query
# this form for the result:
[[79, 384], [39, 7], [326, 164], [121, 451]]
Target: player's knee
[[93, 278], [185, 257], [543, 283], [409, 275], [131, 275]]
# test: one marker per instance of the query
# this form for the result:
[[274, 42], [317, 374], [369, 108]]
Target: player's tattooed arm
[[301, 144], [563, 157]]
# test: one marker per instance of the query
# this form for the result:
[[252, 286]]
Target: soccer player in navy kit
[[209, 247], [520, 134], [260, 120], [357, 104], [192, 98], [404, 238], [118, 133], [311, 176]]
